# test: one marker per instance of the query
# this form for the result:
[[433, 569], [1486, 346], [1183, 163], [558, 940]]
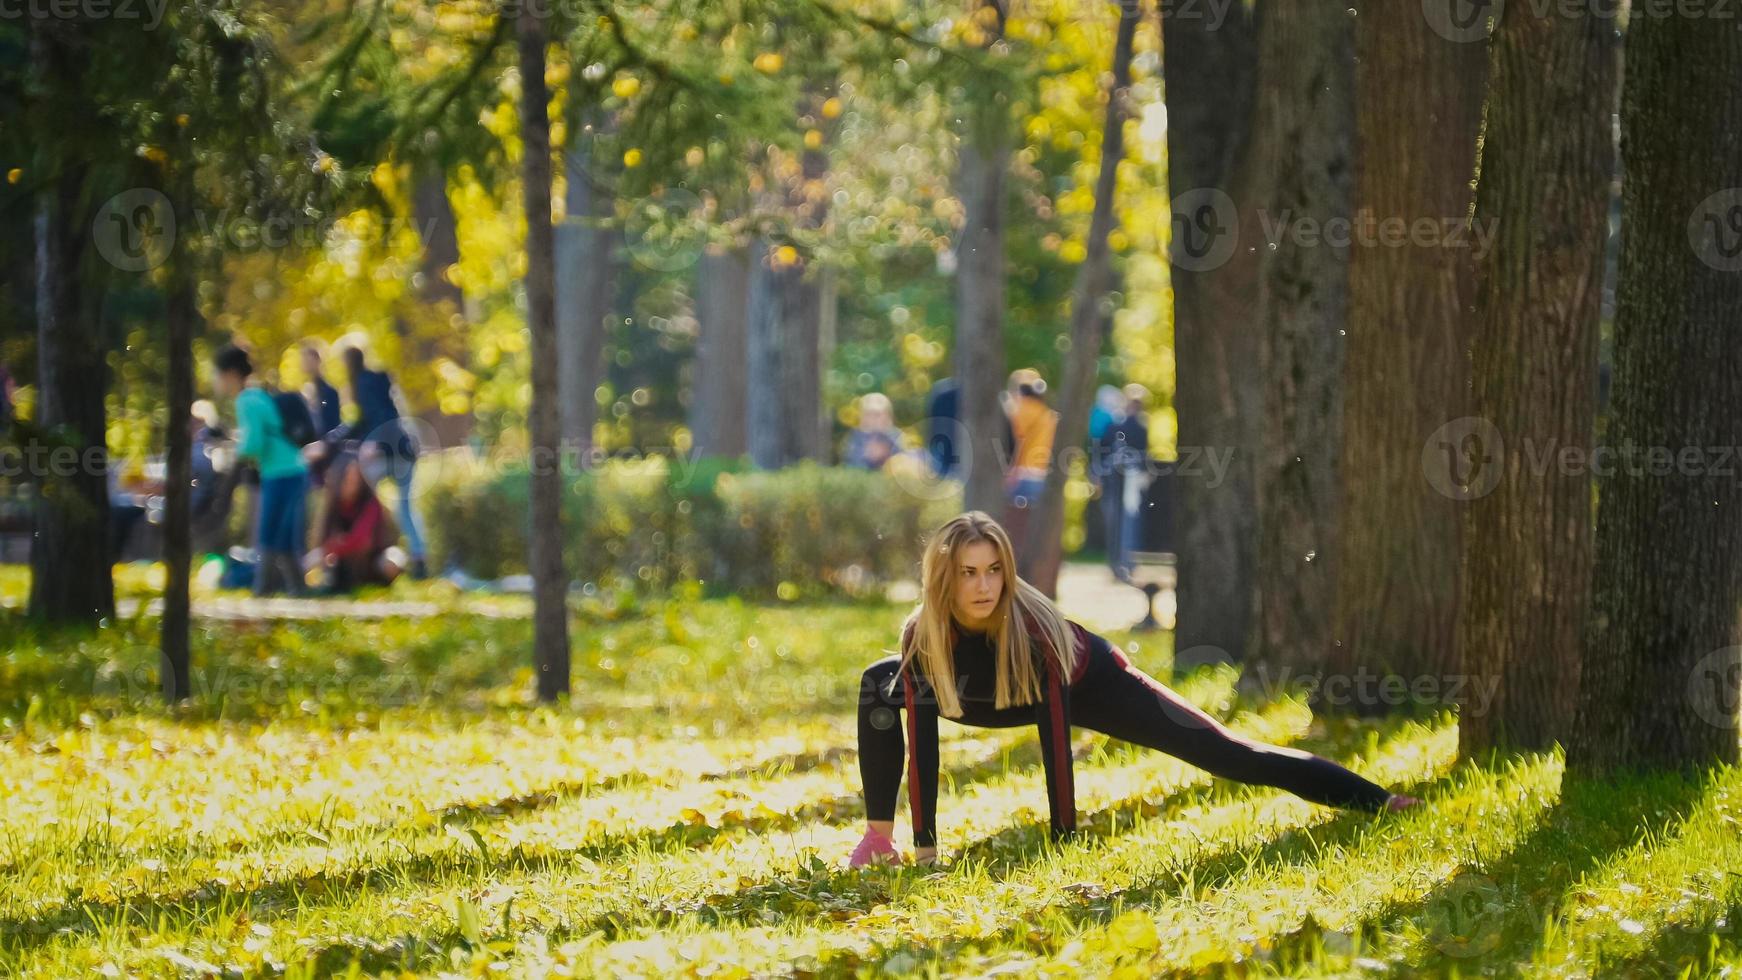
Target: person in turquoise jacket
[[283, 474]]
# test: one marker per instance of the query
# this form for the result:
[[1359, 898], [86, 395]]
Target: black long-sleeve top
[[976, 681]]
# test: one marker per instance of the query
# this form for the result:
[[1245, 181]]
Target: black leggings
[[1110, 696]]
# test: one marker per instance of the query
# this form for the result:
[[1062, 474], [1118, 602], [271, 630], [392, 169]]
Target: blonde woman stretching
[[987, 649]]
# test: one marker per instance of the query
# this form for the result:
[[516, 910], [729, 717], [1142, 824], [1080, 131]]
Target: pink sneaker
[[1398, 801], [874, 848]]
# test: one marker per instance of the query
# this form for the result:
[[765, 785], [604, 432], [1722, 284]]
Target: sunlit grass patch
[[688, 812]]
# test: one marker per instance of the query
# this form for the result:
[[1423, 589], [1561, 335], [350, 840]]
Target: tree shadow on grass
[[274, 897], [1014, 847], [997, 855], [1216, 863], [1690, 947], [820, 890], [1492, 916]]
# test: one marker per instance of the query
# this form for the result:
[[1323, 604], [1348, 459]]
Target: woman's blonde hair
[[927, 637]]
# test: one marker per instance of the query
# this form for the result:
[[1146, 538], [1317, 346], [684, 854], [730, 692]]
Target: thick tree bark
[[764, 399], [550, 629], [71, 578], [1209, 70], [982, 164], [801, 362], [786, 315], [1305, 136], [1089, 295], [1546, 161], [719, 379], [1406, 371], [1661, 654], [586, 254], [790, 308]]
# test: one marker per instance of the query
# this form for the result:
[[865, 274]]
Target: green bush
[[650, 524]]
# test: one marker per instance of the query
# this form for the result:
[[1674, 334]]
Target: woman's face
[[227, 384], [979, 584]]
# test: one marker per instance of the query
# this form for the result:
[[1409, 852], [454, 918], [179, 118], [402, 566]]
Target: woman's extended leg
[[1117, 699]]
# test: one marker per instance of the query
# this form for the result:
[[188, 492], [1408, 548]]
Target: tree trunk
[[790, 300], [1661, 647], [983, 161], [1546, 161], [719, 377], [434, 216], [1089, 295], [1405, 366], [550, 630], [785, 364], [71, 574], [1209, 71], [586, 250], [441, 244], [182, 317], [1305, 135], [801, 377], [766, 313]]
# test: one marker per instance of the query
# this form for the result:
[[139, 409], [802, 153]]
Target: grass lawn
[[381, 797]]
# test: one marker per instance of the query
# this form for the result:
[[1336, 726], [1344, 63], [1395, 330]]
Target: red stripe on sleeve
[[917, 812], [1061, 746]]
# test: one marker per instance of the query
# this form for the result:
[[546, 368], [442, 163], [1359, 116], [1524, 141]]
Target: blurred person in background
[[1109, 404], [1121, 468], [357, 536], [261, 440], [387, 449], [876, 439], [1034, 424]]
